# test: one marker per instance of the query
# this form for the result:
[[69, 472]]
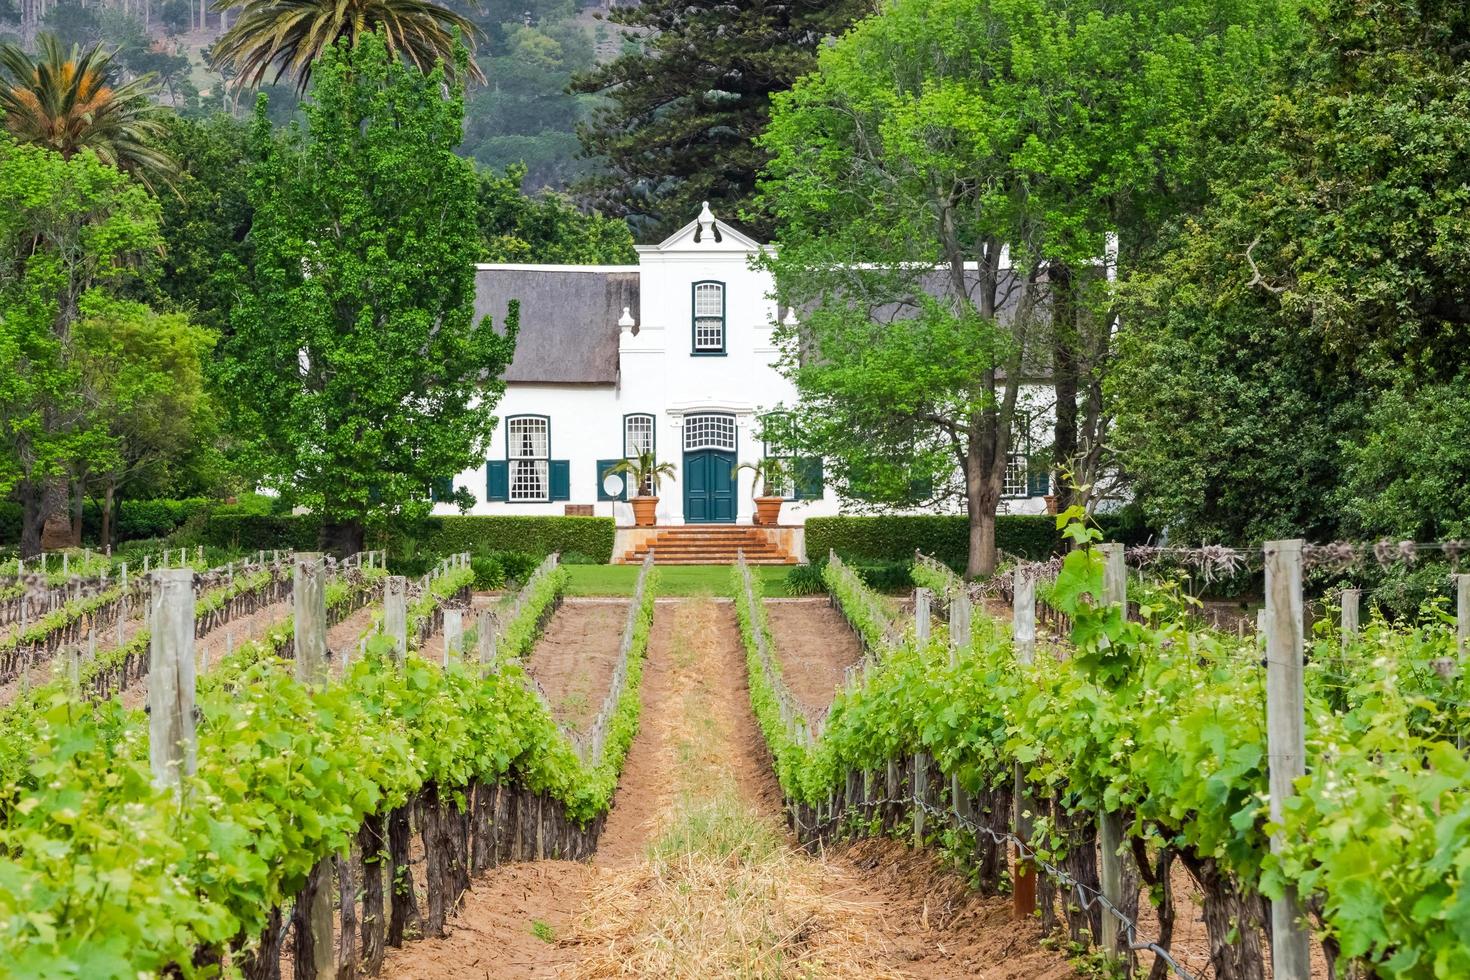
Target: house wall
[[661, 375]]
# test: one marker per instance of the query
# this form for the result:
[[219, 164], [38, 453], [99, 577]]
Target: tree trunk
[[1064, 380], [980, 505], [30, 520], [109, 500], [55, 525], [341, 538], [78, 505]]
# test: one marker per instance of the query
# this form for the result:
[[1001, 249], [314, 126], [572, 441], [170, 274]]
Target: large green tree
[[688, 96], [72, 232], [356, 366], [1320, 293], [143, 373], [932, 180]]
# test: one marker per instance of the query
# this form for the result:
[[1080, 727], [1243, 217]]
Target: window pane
[[709, 299], [709, 432], [637, 435], [529, 480], [528, 438], [709, 334], [1015, 482]]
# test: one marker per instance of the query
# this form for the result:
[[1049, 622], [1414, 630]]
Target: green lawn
[[673, 580]]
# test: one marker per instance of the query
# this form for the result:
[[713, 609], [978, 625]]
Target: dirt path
[[574, 659], [696, 874], [815, 647]]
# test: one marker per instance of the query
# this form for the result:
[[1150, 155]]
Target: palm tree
[[67, 102], [288, 36]]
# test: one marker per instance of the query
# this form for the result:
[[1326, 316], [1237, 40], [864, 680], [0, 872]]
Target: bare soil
[[908, 916], [574, 659], [41, 671], [815, 647]]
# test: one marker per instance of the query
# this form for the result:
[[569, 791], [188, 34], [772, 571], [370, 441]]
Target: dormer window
[[709, 318]]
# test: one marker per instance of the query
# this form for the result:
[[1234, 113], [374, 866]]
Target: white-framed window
[[709, 431], [528, 452], [637, 435], [709, 318], [638, 438], [1017, 470]]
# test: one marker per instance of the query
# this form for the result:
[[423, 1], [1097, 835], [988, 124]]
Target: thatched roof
[[569, 318]]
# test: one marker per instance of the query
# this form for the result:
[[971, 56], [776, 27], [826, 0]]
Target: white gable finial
[[626, 320], [790, 320], [706, 224]]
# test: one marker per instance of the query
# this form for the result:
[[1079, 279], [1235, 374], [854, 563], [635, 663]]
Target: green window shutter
[[497, 480], [441, 489], [603, 465], [1038, 478], [807, 479], [561, 479], [921, 489]]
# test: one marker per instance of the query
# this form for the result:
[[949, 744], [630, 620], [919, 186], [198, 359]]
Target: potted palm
[[769, 478], [643, 470]]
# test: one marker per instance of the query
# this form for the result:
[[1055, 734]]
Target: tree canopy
[[689, 95], [356, 366], [1317, 293], [994, 142]]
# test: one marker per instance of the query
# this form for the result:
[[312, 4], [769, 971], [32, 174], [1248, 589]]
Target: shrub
[[135, 518], [489, 573], [805, 580], [517, 565], [886, 576], [945, 537], [893, 538], [591, 537], [578, 558]]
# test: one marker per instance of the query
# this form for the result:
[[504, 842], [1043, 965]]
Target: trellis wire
[[1085, 894], [800, 725], [590, 748]]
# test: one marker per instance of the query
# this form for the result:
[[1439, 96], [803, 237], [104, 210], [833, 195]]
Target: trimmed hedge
[[943, 536], [591, 536], [538, 536], [947, 537], [135, 518]]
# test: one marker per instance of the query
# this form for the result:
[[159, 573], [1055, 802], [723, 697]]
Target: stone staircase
[[711, 544]]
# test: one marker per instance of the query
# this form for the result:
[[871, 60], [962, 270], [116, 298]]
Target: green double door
[[709, 487]]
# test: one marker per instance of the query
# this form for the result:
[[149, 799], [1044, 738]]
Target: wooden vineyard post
[[1285, 738], [171, 740], [308, 590], [959, 626], [922, 615], [312, 917], [1462, 617], [1350, 599], [395, 615], [453, 634], [1023, 639], [485, 639], [1109, 822], [921, 794]]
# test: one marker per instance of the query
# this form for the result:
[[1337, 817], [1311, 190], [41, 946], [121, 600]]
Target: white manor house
[[674, 354]]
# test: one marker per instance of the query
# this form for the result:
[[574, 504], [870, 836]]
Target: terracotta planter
[[768, 510], [645, 511]]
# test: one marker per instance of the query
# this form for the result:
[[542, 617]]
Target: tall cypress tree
[[689, 96]]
